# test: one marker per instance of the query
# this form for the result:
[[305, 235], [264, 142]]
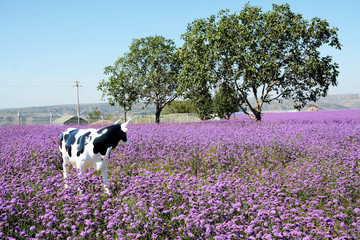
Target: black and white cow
[[85, 148]]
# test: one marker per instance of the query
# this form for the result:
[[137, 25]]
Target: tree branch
[[268, 89], [262, 95], [275, 98], [247, 101], [255, 97]]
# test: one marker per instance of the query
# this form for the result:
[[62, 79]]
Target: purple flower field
[[291, 176]]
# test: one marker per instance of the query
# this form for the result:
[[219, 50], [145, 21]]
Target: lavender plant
[[291, 176]]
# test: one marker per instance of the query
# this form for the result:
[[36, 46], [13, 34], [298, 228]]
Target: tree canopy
[[262, 56], [156, 69], [225, 103], [148, 72], [259, 56], [121, 87]]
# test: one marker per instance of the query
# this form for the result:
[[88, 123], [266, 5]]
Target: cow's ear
[[117, 122], [124, 126]]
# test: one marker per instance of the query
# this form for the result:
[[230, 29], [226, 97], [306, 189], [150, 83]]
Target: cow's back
[[73, 141]]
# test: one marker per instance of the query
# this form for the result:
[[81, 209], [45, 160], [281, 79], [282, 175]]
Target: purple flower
[[343, 225], [88, 222], [290, 176], [190, 234], [357, 211], [83, 233], [277, 233]]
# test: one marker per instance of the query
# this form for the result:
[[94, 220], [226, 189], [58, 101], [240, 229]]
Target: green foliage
[[203, 103], [94, 115], [225, 102], [111, 117], [156, 68], [121, 86], [179, 107], [148, 72], [266, 56]]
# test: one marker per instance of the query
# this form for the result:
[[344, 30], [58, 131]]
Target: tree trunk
[[157, 114], [124, 115], [256, 116]]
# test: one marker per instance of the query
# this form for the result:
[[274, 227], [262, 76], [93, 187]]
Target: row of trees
[[222, 106], [247, 58]]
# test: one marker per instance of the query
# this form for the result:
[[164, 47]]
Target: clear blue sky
[[47, 45]]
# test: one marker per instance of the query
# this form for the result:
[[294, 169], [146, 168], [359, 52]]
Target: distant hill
[[71, 109], [331, 102], [41, 115]]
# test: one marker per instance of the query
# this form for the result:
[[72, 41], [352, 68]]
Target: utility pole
[[77, 96]]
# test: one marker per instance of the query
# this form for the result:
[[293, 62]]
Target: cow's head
[[124, 129]]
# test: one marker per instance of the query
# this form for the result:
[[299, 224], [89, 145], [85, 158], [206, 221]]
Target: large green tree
[[263, 56], [120, 87], [155, 66]]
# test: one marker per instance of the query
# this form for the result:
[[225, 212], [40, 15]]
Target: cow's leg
[[65, 171], [81, 167], [104, 174]]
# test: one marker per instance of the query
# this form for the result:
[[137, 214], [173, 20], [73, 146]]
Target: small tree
[[225, 102], [93, 116], [179, 107], [203, 102], [120, 88], [263, 56], [155, 67]]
